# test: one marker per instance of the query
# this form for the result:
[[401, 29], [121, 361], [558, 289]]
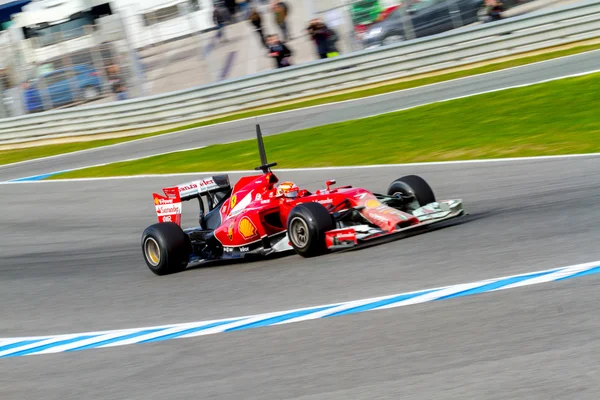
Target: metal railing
[[454, 48]]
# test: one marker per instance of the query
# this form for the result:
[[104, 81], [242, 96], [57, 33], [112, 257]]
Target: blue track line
[[74, 342]]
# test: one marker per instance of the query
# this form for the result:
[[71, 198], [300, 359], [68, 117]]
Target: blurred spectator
[[5, 81], [231, 6], [33, 101], [279, 51], [115, 79], [325, 38], [220, 18], [243, 6], [495, 10], [281, 11], [256, 20]]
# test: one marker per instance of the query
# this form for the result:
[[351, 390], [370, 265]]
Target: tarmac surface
[[73, 263], [308, 117]]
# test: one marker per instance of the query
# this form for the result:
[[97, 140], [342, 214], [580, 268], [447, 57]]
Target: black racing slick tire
[[306, 228], [414, 185], [166, 248]]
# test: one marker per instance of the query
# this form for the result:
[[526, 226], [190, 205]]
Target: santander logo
[[167, 209]]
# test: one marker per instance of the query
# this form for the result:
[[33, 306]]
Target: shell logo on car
[[372, 203], [247, 228]]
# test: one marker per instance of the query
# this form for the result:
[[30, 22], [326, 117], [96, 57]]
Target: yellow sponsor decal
[[233, 202], [247, 228], [230, 231], [372, 203], [399, 214]]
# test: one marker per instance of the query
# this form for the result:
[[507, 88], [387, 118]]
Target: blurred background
[[65, 53]]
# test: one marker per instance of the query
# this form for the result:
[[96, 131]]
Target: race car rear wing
[[195, 189], [169, 206]]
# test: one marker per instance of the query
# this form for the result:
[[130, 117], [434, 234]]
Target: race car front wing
[[430, 214]]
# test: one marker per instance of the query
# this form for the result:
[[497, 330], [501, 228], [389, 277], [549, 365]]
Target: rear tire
[[306, 227], [415, 185], [166, 248]]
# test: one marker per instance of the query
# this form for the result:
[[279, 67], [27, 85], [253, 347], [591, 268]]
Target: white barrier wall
[[458, 47]]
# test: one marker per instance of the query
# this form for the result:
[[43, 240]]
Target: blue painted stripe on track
[[19, 344], [279, 318], [188, 331], [56, 344], [582, 273], [118, 339], [494, 285], [380, 303], [37, 177], [49, 346]]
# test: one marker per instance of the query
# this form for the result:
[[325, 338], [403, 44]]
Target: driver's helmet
[[288, 189]]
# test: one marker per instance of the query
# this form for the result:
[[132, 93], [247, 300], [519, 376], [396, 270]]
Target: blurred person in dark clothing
[[231, 6], [496, 8], [33, 100], [116, 82], [256, 20], [243, 6], [324, 38], [219, 19], [279, 51], [281, 11]]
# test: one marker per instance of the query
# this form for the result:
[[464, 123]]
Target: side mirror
[[329, 183]]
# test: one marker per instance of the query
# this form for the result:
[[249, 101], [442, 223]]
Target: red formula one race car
[[259, 217]]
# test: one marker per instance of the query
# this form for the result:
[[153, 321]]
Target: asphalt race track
[[293, 120], [72, 263]]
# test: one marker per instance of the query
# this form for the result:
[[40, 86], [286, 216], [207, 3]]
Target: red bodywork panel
[[340, 237], [168, 207], [254, 210]]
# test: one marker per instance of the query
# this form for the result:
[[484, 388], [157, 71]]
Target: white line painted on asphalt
[[485, 92], [24, 346], [341, 102], [349, 167], [360, 118]]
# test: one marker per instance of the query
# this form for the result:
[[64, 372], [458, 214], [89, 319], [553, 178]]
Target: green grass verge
[[558, 117], [30, 153], [11, 156]]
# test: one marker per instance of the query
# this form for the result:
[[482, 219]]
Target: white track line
[[77, 341], [339, 102], [349, 167], [370, 116]]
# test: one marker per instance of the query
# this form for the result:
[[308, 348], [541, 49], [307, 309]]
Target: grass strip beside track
[[11, 156], [552, 118], [31, 153]]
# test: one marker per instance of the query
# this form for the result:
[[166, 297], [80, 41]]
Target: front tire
[[306, 227], [166, 248], [413, 185]]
